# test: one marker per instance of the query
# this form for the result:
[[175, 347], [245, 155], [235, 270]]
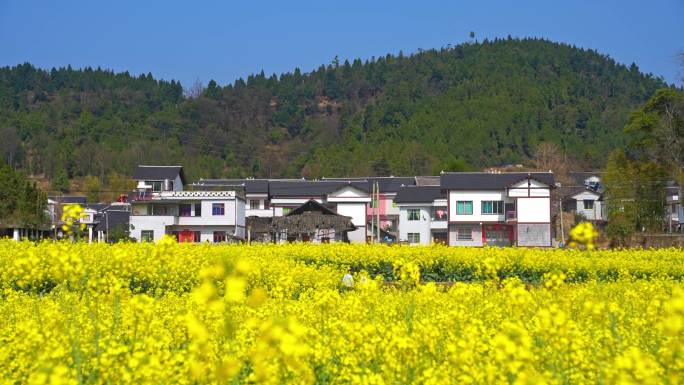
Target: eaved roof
[[570, 191], [579, 177], [109, 219], [387, 184], [251, 186], [419, 194], [309, 188], [144, 172], [80, 199], [491, 181]]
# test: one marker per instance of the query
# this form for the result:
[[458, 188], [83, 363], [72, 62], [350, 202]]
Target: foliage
[[472, 105], [21, 202], [583, 235], [636, 178], [189, 314]]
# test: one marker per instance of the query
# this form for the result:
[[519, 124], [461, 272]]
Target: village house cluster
[[454, 208]]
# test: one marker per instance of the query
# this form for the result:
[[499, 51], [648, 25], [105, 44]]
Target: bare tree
[[549, 157], [196, 90]]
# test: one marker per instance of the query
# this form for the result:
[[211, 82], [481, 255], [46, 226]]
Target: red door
[[186, 236]]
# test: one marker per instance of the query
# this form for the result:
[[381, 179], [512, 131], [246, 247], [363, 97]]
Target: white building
[[587, 203], [422, 215], [161, 207], [499, 209]]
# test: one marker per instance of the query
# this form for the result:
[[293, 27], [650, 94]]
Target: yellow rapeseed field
[[73, 313]]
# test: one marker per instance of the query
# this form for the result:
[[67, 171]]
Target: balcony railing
[[511, 215]]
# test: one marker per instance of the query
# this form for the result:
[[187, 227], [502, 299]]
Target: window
[[286, 210], [147, 235], [219, 236], [492, 207], [464, 207], [218, 209], [413, 214], [588, 204], [170, 185], [253, 204], [198, 209], [413, 237], [184, 210], [464, 233], [156, 185]]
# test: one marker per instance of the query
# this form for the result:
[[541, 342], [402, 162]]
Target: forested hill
[[479, 104]]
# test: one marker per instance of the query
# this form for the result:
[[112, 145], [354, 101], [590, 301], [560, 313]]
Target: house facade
[[499, 209], [423, 215], [673, 210], [587, 203], [160, 206]]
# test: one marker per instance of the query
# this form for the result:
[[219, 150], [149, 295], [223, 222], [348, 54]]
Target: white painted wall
[[421, 226], [357, 211], [156, 223], [534, 210], [476, 197]]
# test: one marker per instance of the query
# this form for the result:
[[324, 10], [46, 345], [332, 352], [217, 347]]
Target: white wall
[[421, 226], [357, 211], [534, 210], [156, 223], [476, 197]]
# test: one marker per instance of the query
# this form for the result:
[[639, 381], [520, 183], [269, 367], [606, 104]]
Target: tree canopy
[[469, 106]]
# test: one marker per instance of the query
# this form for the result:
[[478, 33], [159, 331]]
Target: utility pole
[[372, 229], [377, 195], [560, 213]]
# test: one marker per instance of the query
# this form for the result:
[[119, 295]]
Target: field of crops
[[187, 314]]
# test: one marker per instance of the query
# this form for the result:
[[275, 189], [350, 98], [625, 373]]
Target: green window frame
[[464, 207], [147, 235], [413, 214], [493, 207], [413, 237]]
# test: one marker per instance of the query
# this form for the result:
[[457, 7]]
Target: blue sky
[[225, 40]]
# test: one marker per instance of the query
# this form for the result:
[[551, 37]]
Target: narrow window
[[198, 209], [413, 214], [147, 235], [588, 204], [413, 237]]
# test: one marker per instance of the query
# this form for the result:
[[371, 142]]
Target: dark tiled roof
[[387, 184], [308, 188], [251, 186], [109, 219], [490, 181], [69, 199], [419, 194], [158, 173]]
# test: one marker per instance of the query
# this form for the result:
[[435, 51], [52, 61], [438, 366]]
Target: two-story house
[[500, 209], [160, 206], [585, 196], [422, 215]]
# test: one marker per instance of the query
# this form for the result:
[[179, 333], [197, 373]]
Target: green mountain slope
[[482, 104]]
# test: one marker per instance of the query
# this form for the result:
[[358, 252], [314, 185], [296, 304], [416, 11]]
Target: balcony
[[511, 215]]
